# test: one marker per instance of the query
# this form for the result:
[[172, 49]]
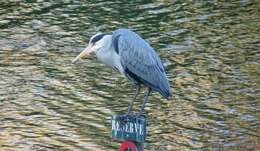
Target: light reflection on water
[[210, 50]]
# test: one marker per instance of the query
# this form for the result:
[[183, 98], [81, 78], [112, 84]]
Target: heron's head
[[96, 42]]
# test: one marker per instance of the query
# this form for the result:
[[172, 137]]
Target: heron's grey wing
[[140, 61]]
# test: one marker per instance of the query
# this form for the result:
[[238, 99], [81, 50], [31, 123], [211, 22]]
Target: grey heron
[[130, 55]]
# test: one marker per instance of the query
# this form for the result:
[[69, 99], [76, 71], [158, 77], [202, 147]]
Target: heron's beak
[[84, 53]]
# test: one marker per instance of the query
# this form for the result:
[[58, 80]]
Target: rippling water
[[211, 53]]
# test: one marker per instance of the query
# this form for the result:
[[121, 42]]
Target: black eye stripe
[[97, 38]]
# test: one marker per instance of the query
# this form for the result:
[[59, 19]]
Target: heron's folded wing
[[141, 60]]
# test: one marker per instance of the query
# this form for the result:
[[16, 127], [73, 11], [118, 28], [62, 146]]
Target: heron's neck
[[105, 53], [108, 55]]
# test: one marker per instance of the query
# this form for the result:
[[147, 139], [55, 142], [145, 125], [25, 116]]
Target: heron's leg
[[145, 100], [132, 102]]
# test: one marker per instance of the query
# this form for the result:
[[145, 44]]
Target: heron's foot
[[126, 115], [141, 113]]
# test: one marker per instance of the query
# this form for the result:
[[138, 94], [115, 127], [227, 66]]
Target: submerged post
[[131, 129]]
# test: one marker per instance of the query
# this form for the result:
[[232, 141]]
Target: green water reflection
[[211, 53]]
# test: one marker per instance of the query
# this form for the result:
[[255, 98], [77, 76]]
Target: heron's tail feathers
[[166, 93], [164, 89]]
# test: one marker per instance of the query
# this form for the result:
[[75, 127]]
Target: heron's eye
[[97, 38]]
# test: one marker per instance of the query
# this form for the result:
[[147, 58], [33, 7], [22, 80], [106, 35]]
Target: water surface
[[210, 50]]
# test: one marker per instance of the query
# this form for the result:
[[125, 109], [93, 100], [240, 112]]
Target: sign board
[[129, 128]]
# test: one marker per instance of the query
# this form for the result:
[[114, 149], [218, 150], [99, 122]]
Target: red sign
[[127, 145]]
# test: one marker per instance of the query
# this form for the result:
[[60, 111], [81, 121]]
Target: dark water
[[211, 50]]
